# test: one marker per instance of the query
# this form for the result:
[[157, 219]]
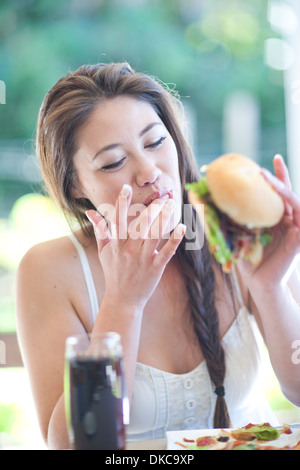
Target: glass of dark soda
[[95, 392]]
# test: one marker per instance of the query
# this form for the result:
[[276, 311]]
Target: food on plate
[[240, 207], [250, 437], [250, 432]]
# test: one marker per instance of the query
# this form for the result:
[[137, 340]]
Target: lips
[[158, 194]]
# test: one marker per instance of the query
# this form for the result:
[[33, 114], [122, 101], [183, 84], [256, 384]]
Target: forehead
[[116, 116]]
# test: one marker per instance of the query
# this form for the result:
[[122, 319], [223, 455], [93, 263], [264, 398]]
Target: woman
[[110, 138]]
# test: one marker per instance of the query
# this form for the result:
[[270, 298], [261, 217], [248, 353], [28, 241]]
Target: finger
[[281, 170], [161, 228], [141, 225], [288, 196], [162, 224], [121, 212], [100, 228], [282, 174], [169, 249]]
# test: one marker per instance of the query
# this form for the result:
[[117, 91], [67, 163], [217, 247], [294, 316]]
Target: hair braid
[[200, 282]]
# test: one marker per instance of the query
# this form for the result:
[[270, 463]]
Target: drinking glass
[[95, 393]]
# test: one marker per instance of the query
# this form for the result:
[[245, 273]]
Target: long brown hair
[[64, 110]]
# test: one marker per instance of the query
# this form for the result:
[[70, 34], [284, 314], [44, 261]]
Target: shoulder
[[46, 252], [51, 267], [44, 258], [45, 267], [41, 261], [50, 279]]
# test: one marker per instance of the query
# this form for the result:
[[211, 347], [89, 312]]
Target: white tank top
[[163, 401]]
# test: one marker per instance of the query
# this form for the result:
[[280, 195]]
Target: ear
[[77, 193], [76, 190]]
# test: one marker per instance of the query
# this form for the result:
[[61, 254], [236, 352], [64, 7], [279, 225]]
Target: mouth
[[157, 195]]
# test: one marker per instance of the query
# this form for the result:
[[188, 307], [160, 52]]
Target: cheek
[[174, 165], [172, 169], [97, 189], [173, 172]]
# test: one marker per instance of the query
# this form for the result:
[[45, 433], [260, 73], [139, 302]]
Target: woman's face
[[125, 142]]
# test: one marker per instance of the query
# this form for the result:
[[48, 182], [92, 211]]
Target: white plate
[[177, 436]]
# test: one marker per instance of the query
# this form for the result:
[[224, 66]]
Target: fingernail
[[99, 225], [180, 231], [93, 216], [89, 217], [183, 229], [126, 190]]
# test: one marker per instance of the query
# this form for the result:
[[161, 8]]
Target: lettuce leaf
[[216, 240], [266, 433], [200, 187], [215, 237], [263, 432], [266, 238]]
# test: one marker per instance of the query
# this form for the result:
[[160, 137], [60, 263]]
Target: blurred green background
[[227, 59]]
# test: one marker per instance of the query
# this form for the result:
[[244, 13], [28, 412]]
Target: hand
[[279, 257], [129, 255]]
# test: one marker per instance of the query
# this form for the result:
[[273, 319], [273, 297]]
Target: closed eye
[[119, 163], [111, 166], [157, 143]]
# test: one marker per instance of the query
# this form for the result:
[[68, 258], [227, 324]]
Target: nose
[[147, 172]]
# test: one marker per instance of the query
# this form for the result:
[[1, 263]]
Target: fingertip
[[279, 165], [126, 190], [279, 157], [279, 160], [179, 231], [183, 226], [99, 225], [93, 216]]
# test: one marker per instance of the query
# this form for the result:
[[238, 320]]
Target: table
[[155, 444]]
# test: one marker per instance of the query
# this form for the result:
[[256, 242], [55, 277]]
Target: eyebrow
[[113, 146]]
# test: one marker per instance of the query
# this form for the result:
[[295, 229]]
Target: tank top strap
[[87, 275]]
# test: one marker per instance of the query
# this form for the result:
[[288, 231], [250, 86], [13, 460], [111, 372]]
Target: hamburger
[[240, 207]]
